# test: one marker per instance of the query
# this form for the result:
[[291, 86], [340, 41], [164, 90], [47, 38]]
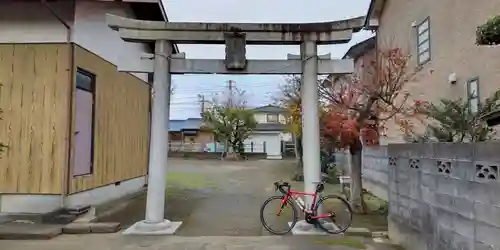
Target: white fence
[[178, 146]]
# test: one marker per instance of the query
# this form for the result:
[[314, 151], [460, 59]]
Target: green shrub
[[333, 177], [489, 33]]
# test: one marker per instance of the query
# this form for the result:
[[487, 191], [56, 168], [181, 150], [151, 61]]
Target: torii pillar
[[310, 124], [155, 222], [235, 36], [310, 119]]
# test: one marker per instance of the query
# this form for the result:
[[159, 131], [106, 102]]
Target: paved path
[[230, 196], [121, 242]]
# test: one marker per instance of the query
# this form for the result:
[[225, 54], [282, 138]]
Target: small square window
[[272, 118], [85, 80], [423, 42]]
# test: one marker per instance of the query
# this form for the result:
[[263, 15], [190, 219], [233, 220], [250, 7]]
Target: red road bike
[[330, 213]]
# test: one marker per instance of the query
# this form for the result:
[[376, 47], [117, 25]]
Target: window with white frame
[[272, 118], [473, 94], [423, 42]]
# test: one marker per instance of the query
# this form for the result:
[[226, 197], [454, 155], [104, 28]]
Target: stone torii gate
[[235, 36]]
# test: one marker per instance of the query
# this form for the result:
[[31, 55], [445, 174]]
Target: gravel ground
[[223, 198], [214, 198], [218, 202]]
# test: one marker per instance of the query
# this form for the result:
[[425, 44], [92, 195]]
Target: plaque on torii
[[235, 51]]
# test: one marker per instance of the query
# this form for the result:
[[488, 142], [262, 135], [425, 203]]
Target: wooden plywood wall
[[121, 124], [34, 98]]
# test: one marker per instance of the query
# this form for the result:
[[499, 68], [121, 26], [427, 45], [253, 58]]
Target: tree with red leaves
[[361, 103]]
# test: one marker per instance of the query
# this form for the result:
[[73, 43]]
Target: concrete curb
[[361, 232], [19, 231], [86, 228]]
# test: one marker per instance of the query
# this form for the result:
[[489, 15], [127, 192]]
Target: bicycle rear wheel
[[274, 213], [339, 213]]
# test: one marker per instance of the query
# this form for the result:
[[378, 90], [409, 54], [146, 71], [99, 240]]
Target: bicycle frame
[[291, 193]]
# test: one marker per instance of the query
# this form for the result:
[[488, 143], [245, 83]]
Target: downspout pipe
[[65, 180]]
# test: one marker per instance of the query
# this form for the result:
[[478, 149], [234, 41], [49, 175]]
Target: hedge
[[489, 33]]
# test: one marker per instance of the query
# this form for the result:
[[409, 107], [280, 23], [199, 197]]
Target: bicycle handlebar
[[279, 186]]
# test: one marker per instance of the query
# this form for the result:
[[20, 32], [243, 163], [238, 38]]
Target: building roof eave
[[150, 10], [165, 17], [373, 15], [269, 109], [354, 52], [361, 48]]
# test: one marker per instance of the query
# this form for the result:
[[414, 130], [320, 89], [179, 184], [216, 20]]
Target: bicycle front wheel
[[335, 213], [278, 218]]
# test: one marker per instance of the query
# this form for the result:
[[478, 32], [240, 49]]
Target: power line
[[198, 98], [240, 84], [223, 89]]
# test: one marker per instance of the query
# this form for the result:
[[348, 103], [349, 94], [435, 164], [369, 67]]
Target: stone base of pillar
[[144, 228], [304, 228]]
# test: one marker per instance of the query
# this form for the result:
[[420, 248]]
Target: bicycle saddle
[[320, 187], [281, 183]]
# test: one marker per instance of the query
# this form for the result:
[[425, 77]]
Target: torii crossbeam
[[256, 33], [235, 36]]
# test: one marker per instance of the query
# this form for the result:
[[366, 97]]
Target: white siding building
[[271, 130]]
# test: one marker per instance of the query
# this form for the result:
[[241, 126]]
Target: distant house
[[362, 53], [267, 137], [270, 131], [189, 133]]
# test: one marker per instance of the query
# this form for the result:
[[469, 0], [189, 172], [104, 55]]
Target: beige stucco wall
[[453, 48]]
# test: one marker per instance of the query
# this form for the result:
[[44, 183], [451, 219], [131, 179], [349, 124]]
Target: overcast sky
[[259, 89]]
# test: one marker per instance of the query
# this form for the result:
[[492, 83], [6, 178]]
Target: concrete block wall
[[376, 171], [441, 196], [342, 161]]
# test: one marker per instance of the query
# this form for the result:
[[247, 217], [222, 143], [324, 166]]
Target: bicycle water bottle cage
[[320, 187]]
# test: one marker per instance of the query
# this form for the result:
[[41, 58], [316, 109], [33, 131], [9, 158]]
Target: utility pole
[[230, 86], [202, 102]]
